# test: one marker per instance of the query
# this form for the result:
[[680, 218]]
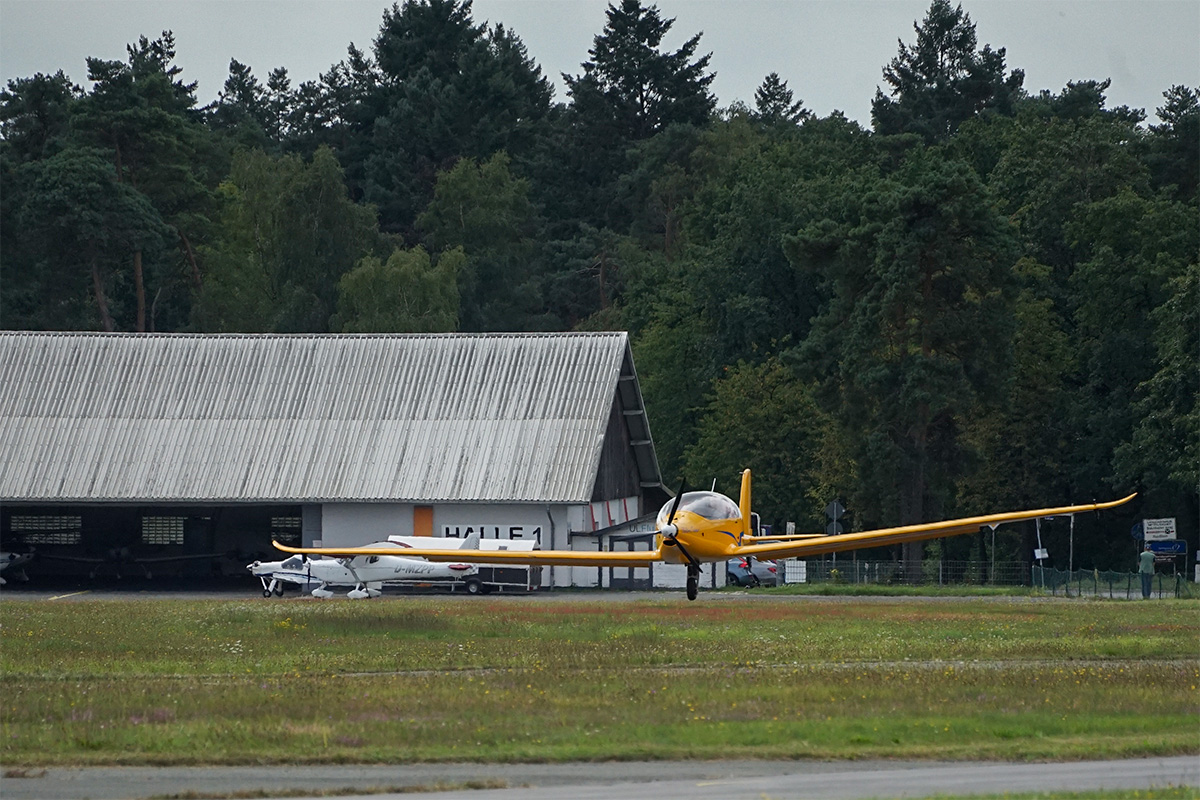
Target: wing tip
[[1115, 503]]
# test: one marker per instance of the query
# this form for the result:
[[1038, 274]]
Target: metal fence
[[1102, 583], [901, 573], [1078, 583]]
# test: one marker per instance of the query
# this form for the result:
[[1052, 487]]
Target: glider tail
[[744, 503]]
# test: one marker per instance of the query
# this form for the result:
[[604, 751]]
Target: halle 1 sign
[[492, 531]]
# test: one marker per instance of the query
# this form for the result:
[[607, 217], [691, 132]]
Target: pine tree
[[942, 81], [630, 88], [774, 103]]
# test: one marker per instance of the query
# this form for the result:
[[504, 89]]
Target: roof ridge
[[201, 335]]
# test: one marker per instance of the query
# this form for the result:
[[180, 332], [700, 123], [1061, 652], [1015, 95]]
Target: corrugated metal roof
[[305, 418]]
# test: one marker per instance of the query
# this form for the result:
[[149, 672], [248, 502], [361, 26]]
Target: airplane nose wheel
[[693, 581]]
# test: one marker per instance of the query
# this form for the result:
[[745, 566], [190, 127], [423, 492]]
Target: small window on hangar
[[47, 529], [162, 530], [286, 530]]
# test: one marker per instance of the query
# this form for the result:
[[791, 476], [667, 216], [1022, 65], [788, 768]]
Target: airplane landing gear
[[693, 581]]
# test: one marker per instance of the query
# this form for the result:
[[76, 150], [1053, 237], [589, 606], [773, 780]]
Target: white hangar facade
[[176, 448]]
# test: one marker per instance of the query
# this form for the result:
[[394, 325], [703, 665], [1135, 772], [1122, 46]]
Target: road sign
[[1168, 547], [834, 512], [1156, 530], [1138, 531], [1041, 553]]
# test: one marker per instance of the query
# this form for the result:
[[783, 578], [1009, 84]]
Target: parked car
[[749, 571]]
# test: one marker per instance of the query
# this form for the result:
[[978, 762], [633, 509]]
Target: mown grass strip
[[431, 679]]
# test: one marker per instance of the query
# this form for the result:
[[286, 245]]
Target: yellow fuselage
[[704, 539]]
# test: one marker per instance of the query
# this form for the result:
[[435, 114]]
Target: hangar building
[[191, 452]]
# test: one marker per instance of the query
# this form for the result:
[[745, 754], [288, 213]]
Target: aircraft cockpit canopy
[[710, 505], [295, 562]]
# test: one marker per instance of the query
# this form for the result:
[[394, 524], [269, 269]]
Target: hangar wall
[[136, 449], [555, 527]]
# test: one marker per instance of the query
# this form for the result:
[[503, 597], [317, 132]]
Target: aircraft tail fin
[[471, 542], [744, 503]]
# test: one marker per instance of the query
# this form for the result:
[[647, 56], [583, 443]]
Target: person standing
[[1146, 569]]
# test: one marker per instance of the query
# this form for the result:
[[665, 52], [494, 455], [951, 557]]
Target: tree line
[[988, 299]]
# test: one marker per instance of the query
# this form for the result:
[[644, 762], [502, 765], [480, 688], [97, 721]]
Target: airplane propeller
[[670, 534], [670, 531]]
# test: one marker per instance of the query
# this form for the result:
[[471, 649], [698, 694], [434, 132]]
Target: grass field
[[506, 679]]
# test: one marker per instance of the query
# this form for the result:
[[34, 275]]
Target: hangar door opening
[[630, 577]]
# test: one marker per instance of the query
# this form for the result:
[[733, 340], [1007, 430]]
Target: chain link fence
[[1102, 583], [901, 573], [1079, 583]]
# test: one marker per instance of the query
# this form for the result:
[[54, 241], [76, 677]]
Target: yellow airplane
[[700, 527]]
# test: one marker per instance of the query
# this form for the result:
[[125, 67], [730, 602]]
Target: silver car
[[749, 571]]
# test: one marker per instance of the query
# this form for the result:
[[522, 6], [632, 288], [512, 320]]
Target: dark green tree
[[35, 116], [144, 115], [278, 104], [675, 351], [1174, 156], [630, 89], [1052, 167], [445, 88], [759, 416], [775, 104], [754, 187], [1020, 433], [485, 210], [1080, 100], [917, 267], [87, 230], [289, 233], [942, 81], [1129, 250], [241, 110], [1163, 452]]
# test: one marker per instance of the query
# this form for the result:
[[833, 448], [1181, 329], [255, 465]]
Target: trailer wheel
[[475, 586]]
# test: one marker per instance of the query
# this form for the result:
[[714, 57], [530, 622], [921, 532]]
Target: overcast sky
[[831, 52]]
